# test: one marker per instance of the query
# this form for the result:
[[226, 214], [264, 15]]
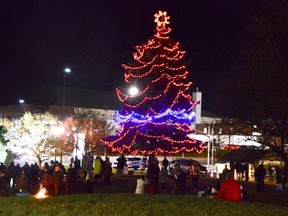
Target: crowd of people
[[57, 179], [54, 177]]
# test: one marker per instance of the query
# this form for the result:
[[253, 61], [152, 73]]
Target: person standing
[[285, 173], [246, 171], [163, 176], [71, 179], [180, 180], [260, 173], [97, 168], [195, 173], [154, 172], [46, 180], [90, 161], [77, 163], [121, 163], [12, 173], [278, 174], [165, 162], [107, 171], [57, 179], [88, 184], [153, 178], [4, 183]]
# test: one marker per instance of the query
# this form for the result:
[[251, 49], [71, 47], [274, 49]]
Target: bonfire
[[41, 194]]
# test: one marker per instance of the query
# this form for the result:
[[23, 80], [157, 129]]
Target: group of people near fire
[[57, 180]]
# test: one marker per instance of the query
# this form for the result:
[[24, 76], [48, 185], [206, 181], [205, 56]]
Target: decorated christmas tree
[[157, 112]]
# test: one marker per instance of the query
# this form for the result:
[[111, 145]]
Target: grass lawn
[[119, 199], [130, 204]]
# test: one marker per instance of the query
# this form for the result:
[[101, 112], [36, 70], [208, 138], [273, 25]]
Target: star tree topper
[[161, 19]]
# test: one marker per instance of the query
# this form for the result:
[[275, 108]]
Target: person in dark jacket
[[71, 179], [165, 162], [88, 183], [107, 171], [121, 162], [12, 173], [57, 179], [46, 180], [4, 183], [285, 177], [260, 173]]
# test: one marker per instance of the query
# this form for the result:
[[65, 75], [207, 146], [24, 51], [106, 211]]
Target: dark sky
[[40, 38]]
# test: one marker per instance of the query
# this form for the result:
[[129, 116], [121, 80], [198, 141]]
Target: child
[[141, 182]]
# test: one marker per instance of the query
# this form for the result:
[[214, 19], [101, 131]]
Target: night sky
[[40, 38]]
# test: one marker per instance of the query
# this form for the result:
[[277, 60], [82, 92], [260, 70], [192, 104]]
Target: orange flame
[[41, 194]]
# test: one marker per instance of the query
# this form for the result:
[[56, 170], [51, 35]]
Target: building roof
[[76, 97]]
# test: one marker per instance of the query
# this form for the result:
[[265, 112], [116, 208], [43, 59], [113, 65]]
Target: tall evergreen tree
[[157, 110]]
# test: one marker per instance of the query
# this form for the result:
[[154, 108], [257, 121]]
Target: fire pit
[[41, 194]]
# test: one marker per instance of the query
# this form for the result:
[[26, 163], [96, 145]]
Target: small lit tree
[[34, 135]]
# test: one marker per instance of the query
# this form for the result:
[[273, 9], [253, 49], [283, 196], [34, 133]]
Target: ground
[[127, 184]]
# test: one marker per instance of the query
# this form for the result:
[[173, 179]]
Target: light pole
[[67, 71], [23, 106], [74, 129]]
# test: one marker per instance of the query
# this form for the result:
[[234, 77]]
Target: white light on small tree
[[57, 130]]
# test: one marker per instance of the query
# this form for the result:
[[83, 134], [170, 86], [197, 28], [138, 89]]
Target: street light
[[67, 71], [21, 101], [133, 91]]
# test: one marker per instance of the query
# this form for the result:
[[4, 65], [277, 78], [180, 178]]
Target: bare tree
[[256, 94]]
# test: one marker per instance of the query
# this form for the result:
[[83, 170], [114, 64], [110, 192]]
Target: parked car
[[131, 161], [185, 164]]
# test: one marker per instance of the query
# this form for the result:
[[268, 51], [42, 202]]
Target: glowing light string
[[185, 86], [158, 118], [143, 118]]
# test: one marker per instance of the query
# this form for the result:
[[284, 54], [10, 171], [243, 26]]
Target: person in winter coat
[[194, 171], [12, 172], [140, 187], [260, 173], [285, 177], [163, 176], [121, 163], [46, 180], [4, 183], [71, 179], [57, 179], [90, 161], [179, 179], [107, 171], [97, 168], [230, 190]]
